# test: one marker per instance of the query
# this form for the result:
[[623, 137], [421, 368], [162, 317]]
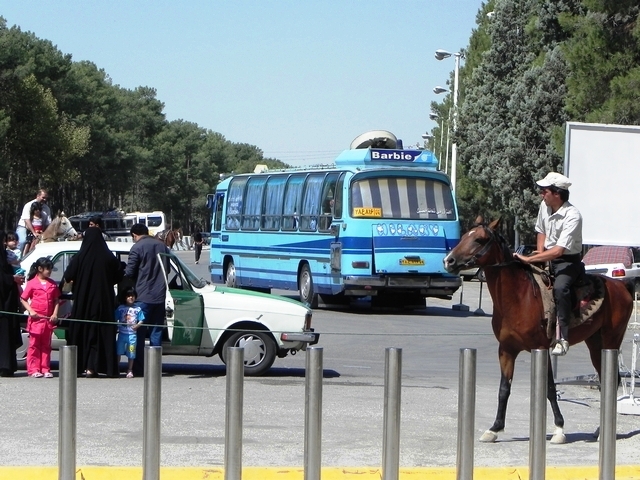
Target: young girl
[[13, 254], [35, 216], [40, 298]]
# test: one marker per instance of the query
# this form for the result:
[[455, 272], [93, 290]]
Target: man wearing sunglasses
[[559, 241], [24, 224]]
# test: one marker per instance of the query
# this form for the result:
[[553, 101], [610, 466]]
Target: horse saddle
[[588, 295]]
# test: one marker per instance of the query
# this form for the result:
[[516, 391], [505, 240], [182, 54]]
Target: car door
[[184, 306]]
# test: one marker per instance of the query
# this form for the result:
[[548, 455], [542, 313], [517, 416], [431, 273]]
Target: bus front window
[[403, 198]]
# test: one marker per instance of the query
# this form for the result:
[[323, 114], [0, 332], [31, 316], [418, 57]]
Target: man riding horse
[[559, 228]]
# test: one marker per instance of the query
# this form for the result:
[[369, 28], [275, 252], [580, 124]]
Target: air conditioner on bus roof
[[375, 139]]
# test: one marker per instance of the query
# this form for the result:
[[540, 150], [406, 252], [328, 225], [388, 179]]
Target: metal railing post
[[151, 413], [67, 413], [313, 414], [608, 410], [233, 414], [538, 414], [466, 413], [391, 420]]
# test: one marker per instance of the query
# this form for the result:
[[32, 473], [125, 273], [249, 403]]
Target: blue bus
[[376, 224]]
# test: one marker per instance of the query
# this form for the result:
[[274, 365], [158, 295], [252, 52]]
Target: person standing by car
[[41, 299], [10, 337], [143, 267], [197, 245], [559, 241], [24, 224], [129, 317], [93, 272]]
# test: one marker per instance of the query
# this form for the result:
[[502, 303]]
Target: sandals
[[129, 374], [48, 375], [36, 375]]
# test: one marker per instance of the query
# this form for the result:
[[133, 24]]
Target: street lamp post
[[441, 55], [434, 116]]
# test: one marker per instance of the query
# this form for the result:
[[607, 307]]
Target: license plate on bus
[[411, 261], [367, 212]]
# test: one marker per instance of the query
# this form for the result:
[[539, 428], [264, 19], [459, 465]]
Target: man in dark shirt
[[144, 268]]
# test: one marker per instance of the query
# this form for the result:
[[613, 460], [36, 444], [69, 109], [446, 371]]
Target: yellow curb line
[[628, 472]]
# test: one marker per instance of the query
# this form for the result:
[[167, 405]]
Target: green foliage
[[535, 65]]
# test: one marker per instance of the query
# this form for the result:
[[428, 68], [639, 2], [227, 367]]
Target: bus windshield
[[402, 198]]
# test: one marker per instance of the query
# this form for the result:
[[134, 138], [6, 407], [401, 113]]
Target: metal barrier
[[313, 414], [466, 413]]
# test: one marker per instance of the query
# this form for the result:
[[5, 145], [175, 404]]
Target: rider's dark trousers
[[566, 269]]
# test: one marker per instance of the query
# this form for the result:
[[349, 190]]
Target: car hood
[[217, 296]]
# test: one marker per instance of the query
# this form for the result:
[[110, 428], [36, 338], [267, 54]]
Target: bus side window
[[328, 201], [290, 208], [273, 196], [234, 202], [337, 198], [253, 203], [217, 219], [310, 212]]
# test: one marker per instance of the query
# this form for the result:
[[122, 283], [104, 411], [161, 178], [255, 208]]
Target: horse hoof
[[558, 436], [489, 437]]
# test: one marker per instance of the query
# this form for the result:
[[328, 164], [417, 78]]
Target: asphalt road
[[109, 422]]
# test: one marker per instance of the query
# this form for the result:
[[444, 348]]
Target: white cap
[[555, 179]]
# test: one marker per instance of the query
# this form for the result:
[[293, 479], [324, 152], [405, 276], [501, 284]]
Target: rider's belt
[[575, 258]]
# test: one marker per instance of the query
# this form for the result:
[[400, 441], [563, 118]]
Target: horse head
[[481, 246], [60, 227]]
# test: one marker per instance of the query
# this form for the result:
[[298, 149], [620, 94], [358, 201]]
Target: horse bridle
[[484, 249], [66, 234]]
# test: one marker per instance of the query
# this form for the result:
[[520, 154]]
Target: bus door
[[218, 238], [184, 306]]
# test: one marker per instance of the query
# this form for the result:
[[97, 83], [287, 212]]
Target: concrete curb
[[624, 472]]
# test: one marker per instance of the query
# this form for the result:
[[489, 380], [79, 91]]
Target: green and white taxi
[[202, 318]]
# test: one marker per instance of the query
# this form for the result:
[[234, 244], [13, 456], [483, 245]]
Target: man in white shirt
[[24, 224], [559, 241]]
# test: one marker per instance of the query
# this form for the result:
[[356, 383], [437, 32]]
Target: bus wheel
[[259, 351], [307, 292], [230, 275]]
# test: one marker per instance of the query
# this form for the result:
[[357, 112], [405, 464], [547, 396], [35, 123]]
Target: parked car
[[614, 262], [203, 319]]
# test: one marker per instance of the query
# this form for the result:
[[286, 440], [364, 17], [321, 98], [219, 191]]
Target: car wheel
[[21, 352], [307, 290], [230, 275], [259, 351]]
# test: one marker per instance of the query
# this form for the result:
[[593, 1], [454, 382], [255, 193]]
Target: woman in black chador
[[93, 273]]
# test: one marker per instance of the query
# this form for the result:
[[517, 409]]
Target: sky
[[299, 79]]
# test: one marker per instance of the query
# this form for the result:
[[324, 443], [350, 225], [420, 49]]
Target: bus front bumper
[[426, 285]]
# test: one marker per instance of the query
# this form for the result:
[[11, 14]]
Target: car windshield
[[191, 277]]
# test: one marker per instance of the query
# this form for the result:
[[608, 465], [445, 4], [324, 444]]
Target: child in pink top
[[40, 298]]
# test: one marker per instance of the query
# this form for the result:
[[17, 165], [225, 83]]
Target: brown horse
[[170, 236], [518, 316]]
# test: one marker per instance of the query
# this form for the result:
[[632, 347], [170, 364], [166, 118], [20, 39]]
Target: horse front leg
[[507, 362], [552, 396]]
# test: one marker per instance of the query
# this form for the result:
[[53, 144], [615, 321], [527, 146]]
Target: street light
[[438, 90], [441, 55], [426, 137]]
